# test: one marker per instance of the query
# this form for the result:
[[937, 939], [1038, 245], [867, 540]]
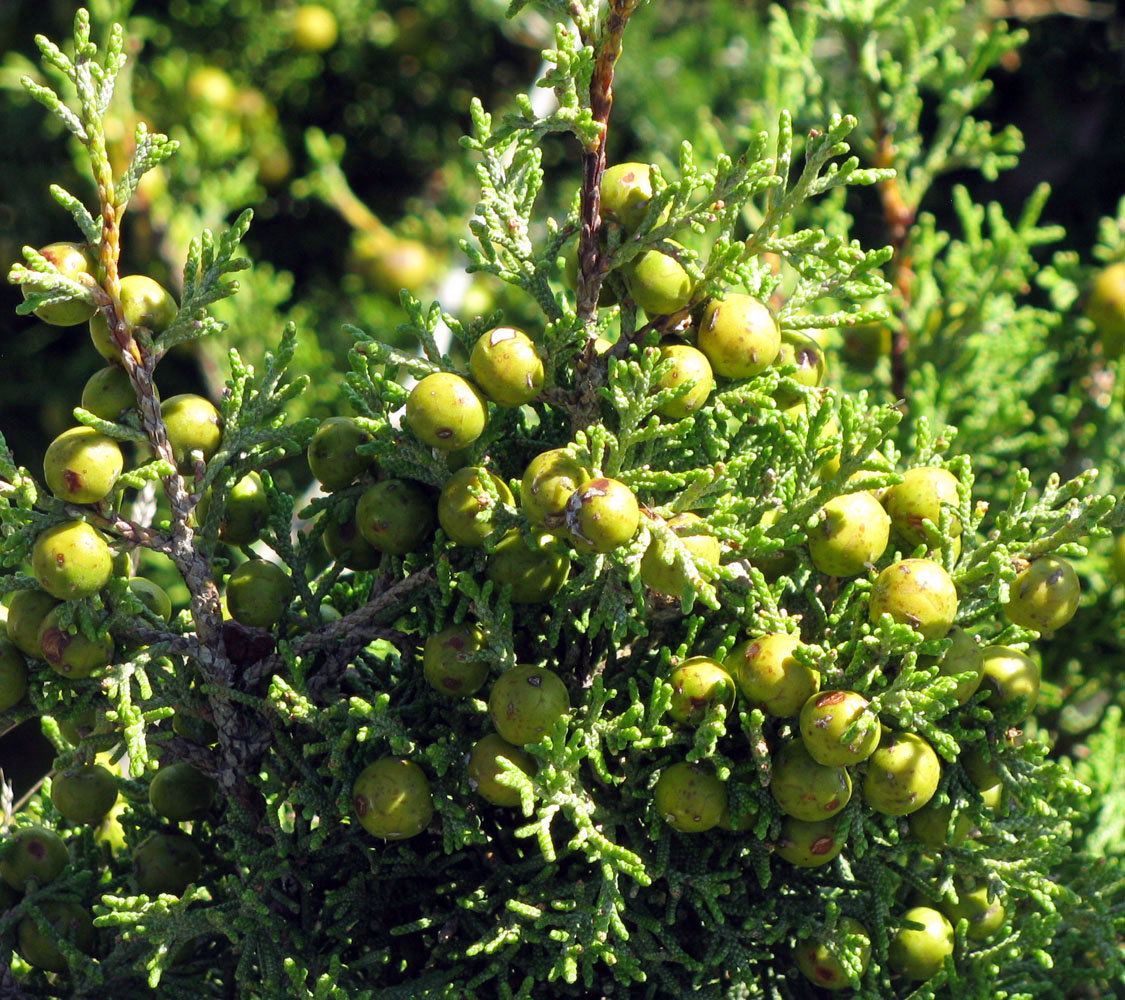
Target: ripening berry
[[32, 854], [601, 515], [72, 261], [180, 791], [392, 799], [535, 574], [739, 335], [13, 675], [446, 411], [850, 534], [918, 953], [699, 684], [71, 560], [548, 482], [26, 611], [821, 965], [806, 789], [808, 844], [144, 303], [108, 393], [506, 366], [84, 793], [485, 769], [902, 774], [770, 676], [689, 797], [688, 366], [332, 454], [166, 863], [195, 429], [1044, 596], [258, 592], [347, 546], [465, 508], [395, 516], [658, 282], [669, 577], [1105, 308], [918, 593], [809, 359], [526, 701], [70, 921], [81, 465], [825, 720], [314, 28], [626, 191], [962, 657], [450, 660], [1011, 679], [72, 654], [920, 497], [985, 916]]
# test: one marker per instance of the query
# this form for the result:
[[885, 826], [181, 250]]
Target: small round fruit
[[689, 366], [548, 482], [626, 191], [392, 798], [26, 610], [962, 657], [821, 965], [72, 923], [525, 703], [82, 465], [920, 497], [808, 845], [699, 684], [245, 513], [144, 303], [1044, 596], [108, 393], [332, 454], [347, 546], [1105, 308], [465, 507], [931, 825], [601, 515], [395, 516], [806, 789], [739, 335], [13, 675], [314, 28], [446, 411], [211, 87], [71, 261], [84, 793], [826, 717], [902, 774], [658, 282], [670, 577], [450, 662], [770, 676], [180, 792], [194, 427], [985, 916], [506, 366], [71, 560], [166, 863], [918, 953], [72, 654], [689, 797], [32, 855], [981, 771], [1011, 679], [258, 592], [851, 534], [918, 593], [485, 769], [534, 574], [808, 357]]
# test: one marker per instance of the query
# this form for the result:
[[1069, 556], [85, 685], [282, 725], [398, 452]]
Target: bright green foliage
[[360, 843]]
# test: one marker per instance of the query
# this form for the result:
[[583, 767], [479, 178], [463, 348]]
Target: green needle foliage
[[641, 854]]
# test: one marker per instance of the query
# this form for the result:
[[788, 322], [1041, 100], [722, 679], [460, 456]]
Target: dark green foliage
[[349, 837]]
